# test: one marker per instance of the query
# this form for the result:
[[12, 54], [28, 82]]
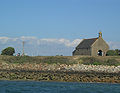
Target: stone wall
[[100, 44], [82, 52]]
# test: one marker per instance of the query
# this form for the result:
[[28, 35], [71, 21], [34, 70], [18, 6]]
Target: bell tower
[[100, 34]]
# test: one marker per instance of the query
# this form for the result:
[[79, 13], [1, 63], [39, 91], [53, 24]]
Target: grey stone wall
[[100, 44], [82, 52]]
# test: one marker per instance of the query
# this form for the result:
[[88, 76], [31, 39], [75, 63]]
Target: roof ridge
[[91, 38]]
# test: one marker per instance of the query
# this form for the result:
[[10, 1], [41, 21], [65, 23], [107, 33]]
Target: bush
[[8, 51], [111, 53]]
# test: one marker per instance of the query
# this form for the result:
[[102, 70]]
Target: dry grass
[[108, 60]]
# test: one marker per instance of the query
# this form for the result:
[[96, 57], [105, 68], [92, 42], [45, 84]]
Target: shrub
[[111, 53], [8, 51]]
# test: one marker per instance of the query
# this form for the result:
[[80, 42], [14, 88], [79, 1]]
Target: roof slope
[[86, 43]]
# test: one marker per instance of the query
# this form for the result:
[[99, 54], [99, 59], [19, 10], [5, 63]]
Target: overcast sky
[[55, 27]]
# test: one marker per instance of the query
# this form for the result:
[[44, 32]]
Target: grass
[[37, 60], [69, 60], [98, 61]]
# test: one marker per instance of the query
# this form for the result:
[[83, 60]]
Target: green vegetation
[[8, 51], [115, 52], [98, 61], [111, 60], [37, 60], [91, 61], [19, 59]]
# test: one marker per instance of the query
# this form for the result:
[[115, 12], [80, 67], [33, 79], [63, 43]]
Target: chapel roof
[[86, 43]]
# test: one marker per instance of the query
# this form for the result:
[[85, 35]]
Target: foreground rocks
[[61, 67], [60, 72], [60, 76]]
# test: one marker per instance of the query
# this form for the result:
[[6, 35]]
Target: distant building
[[92, 47]]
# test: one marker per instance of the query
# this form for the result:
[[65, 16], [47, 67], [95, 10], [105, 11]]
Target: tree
[[117, 51], [112, 53], [8, 51]]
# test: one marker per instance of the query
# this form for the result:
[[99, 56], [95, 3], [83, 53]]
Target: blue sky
[[56, 19]]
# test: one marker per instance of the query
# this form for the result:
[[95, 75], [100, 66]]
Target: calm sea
[[56, 87]]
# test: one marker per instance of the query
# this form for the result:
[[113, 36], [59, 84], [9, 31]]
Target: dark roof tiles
[[86, 43]]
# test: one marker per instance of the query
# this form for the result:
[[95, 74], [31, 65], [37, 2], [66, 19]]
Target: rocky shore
[[60, 76], [60, 72], [61, 67]]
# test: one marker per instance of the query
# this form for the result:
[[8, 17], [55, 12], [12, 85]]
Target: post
[[23, 48]]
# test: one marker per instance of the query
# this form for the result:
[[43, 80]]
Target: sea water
[[57, 87]]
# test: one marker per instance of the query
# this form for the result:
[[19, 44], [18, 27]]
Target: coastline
[[60, 76], [60, 68]]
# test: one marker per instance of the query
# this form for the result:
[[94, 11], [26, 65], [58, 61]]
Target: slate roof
[[86, 43]]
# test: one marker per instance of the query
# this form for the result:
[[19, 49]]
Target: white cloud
[[14, 39], [23, 38], [3, 40], [75, 42], [114, 45], [31, 40], [49, 40], [66, 42], [69, 43]]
